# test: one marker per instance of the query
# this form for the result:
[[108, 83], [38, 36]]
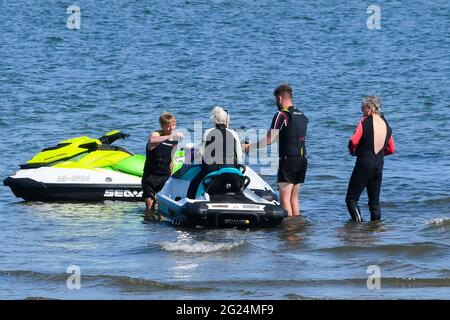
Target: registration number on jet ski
[[235, 206], [237, 222]]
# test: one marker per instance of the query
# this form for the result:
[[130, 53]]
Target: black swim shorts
[[292, 170], [152, 184]]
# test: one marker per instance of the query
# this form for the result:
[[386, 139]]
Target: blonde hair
[[373, 102], [166, 118], [219, 115]]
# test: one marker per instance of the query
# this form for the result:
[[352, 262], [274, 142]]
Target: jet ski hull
[[254, 207], [59, 184], [31, 190]]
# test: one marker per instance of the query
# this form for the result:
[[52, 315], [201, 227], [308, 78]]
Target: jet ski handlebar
[[241, 167], [112, 136]]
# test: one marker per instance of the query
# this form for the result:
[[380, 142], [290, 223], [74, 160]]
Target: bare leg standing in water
[[295, 200], [285, 196]]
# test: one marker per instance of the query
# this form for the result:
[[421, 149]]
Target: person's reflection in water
[[293, 230], [361, 233]]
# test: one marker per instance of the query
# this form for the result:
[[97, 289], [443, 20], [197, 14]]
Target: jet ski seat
[[224, 181]]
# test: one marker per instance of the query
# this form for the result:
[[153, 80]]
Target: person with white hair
[[371, 141], [222, 148]]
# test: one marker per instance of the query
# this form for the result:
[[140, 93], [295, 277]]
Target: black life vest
[[222, 144], [159, 158], [293, 135]]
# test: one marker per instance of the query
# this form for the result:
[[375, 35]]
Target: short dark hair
[[282, 90]]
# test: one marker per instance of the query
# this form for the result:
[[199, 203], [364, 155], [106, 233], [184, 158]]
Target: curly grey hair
[[373, 102]]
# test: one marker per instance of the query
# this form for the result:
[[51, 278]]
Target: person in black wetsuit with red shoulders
[[289, 125], [371, 141]]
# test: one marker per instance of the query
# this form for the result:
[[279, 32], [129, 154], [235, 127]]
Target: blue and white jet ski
[[228, 197]]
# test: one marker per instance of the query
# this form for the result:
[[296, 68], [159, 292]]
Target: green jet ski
[[83, 169]]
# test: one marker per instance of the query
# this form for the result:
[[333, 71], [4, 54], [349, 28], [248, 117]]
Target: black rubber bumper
[[198, 214]]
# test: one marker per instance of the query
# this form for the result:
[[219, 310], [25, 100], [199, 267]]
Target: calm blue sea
[[132, 60]]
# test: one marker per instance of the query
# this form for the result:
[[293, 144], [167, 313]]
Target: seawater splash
[[195, 243], [200, 246], [439, 222]]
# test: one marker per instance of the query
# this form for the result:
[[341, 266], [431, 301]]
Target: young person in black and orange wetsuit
[[158, 163], [371, 141], [290, 125]]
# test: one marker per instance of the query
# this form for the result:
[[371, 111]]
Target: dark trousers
[[367, 174]]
